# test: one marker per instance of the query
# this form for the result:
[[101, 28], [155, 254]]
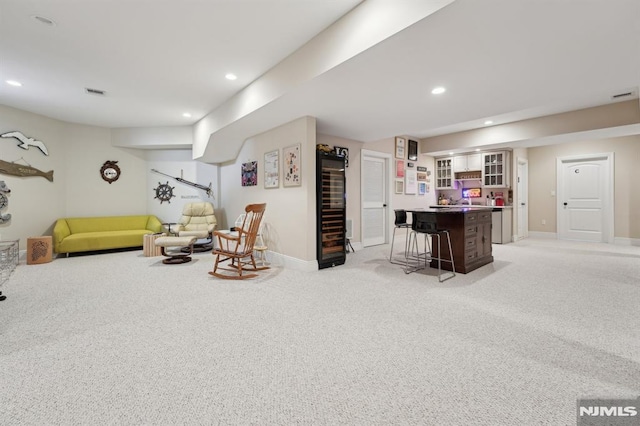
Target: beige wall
[[290, 219], [76, 154], [542, 181]]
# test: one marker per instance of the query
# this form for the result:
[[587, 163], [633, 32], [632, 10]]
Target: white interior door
[[585, 198], [522, 202], [374, 178]]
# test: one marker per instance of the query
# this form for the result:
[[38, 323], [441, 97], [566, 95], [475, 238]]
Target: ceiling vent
[[94, 91]]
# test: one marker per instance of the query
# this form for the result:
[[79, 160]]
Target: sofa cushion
[[105, 240], [111, 223]]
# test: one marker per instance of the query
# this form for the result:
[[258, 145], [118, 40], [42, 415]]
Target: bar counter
[[470, 231]]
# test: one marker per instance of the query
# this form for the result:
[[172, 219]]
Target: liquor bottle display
[[331, 210]]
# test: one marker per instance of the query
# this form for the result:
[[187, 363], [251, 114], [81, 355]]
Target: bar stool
[[426, 223], [439, 258], [400, 223]]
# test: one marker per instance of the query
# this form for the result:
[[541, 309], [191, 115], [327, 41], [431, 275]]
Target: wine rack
[[331, 209]]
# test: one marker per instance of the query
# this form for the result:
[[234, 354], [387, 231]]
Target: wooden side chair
[[238, 246]]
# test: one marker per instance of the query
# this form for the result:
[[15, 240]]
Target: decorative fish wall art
[[22, 170], [26, 142]]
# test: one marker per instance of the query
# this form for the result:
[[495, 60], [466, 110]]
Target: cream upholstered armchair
[[197, 220]]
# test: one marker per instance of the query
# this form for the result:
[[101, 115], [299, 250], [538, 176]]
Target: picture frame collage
[[409, 180], [291, 175]]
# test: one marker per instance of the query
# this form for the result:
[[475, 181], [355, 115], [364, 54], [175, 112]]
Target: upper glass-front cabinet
[[495, 169], [444, 173]]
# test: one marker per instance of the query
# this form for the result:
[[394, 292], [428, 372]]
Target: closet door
[[374, 202]]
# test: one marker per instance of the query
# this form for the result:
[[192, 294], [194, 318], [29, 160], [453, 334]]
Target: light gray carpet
[[123, 339]]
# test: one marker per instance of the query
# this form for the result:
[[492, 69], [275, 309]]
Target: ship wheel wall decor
[[164, 192]]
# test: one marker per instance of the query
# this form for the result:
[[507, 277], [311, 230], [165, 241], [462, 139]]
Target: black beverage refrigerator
[[331, 209]]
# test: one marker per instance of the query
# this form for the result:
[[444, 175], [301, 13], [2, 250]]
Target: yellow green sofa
[[78, 234]]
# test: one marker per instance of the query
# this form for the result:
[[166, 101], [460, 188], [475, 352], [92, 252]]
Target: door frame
[[522, 182], [387, 178], [608, 198]]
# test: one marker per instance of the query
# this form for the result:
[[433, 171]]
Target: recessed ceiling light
[[451, 153], [186, 114], [488, 122], [477, 149], [14, 83], [230, 76], [438, 90], [43, 20]]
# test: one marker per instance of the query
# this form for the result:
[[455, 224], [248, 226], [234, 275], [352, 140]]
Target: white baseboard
[[626, 241], [279, 259], [620, 241], [547, 235]]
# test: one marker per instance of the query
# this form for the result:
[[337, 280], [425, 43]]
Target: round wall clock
[[110, 171]]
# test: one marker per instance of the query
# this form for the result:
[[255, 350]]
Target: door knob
[[564, 204]]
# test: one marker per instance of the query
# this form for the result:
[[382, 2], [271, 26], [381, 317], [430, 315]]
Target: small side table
[[149, 247]]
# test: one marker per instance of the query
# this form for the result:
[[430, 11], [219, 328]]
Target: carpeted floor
[[120, 338]]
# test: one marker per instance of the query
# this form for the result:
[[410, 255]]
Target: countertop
[[473, 206]]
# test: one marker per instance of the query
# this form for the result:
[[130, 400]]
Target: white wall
[[407, 201], [178, 163]]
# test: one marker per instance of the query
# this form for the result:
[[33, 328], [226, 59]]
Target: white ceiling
[[503, 60], [156, 59]]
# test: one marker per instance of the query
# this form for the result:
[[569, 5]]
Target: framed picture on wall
[[399, 168], [250, 173], [400, 147], [399, 186], [422, 188], [413, 150], [291, 164], [411, 182], [271, 169]]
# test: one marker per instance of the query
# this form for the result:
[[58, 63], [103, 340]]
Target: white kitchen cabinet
[[495, 169], [444, 173], [467, 163]]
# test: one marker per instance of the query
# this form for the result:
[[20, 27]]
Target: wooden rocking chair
[[239, 248]]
